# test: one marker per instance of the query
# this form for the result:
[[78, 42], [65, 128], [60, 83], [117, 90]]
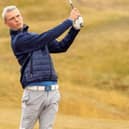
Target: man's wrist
[[71, 19]]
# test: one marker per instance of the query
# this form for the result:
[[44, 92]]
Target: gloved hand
[[78, 23]]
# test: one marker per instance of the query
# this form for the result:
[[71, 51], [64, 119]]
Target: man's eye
[[11, 19]]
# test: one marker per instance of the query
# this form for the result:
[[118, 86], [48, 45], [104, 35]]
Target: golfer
[[38, 77]]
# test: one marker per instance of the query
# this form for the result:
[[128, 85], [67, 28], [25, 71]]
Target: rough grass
[[93, 74], [10, 119]]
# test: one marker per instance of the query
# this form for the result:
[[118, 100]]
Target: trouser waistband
[[43, 88]]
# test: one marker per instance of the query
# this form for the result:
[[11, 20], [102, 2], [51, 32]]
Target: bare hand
[[74, 14]]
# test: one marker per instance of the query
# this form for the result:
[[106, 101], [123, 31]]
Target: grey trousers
[[41, 106]]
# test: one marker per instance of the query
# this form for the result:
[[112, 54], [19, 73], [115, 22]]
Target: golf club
[[72, 6]]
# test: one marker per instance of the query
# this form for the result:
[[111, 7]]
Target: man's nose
[[16, 19]]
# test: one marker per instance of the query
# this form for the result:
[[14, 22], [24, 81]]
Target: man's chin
[[20, 27], [16, 28]]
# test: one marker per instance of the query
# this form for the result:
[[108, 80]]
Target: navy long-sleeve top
[[33, 50]]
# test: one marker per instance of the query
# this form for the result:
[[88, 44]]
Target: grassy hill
[[93, 74]]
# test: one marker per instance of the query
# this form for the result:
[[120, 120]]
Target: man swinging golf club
[[38, 77]]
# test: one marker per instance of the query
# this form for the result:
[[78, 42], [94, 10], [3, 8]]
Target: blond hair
[[7, 9]]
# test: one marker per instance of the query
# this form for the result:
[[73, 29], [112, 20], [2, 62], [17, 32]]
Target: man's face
[[14, 20]]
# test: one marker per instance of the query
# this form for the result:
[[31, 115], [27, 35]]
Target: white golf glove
[[78, 23]]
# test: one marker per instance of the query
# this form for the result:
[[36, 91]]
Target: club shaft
[[71, 4]]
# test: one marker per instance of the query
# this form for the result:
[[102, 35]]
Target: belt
[[43, 88]]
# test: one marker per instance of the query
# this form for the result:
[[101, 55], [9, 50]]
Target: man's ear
[[6, 23]]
